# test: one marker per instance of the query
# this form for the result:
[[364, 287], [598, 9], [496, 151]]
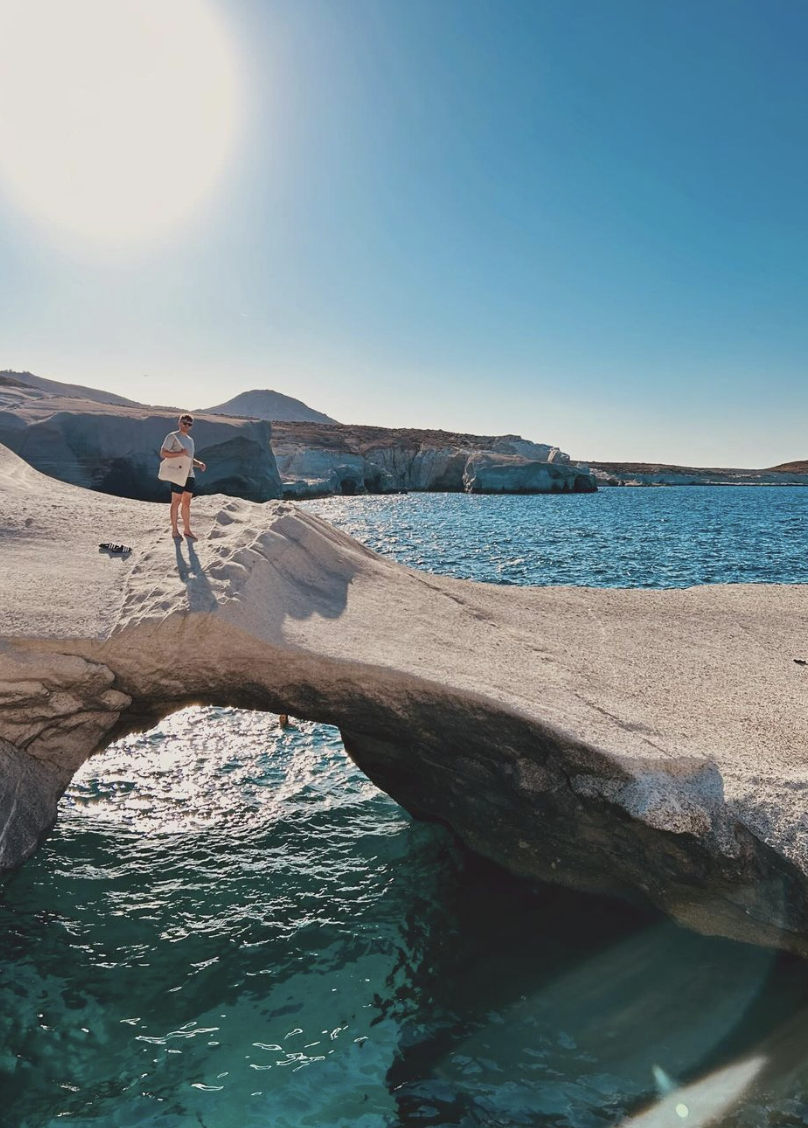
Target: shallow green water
[[231, 927]]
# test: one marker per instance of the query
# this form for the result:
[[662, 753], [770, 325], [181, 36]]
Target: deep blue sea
[[230, 927], [618, 537]]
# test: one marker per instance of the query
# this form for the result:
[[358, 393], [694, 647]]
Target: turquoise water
[[231, 927]]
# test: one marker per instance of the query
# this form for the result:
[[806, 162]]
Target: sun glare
[[117, 117]]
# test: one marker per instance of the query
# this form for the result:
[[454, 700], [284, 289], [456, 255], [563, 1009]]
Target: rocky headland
[[658, 474], [648, 744], [315, 461], [104, 443]]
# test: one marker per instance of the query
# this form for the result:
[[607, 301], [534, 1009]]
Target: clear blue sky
[[585, 221]]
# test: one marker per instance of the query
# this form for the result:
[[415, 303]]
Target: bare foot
[[189, 535], [176, 534]]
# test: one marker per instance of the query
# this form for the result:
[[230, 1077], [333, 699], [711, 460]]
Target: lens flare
[[703, 1102]]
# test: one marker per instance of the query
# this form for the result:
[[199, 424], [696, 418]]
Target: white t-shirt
[[177, 441]]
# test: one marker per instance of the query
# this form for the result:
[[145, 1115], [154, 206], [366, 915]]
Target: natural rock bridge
[[649, 744]]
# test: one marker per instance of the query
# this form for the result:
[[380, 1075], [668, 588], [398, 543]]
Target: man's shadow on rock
[[197, 584], [292, 572]]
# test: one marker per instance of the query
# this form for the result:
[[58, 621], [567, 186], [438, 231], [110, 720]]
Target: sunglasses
[[187, 422]]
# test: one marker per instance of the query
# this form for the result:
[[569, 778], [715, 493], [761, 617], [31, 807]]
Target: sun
[[117, 117]]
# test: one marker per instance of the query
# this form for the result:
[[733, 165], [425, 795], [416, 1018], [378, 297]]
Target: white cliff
[[115, 448], [313, 461], [494, 472], [111, 445]]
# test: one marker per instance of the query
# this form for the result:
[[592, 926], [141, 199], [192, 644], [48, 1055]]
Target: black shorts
[[187, 488]]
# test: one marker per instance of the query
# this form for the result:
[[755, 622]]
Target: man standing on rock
[[179, 444]]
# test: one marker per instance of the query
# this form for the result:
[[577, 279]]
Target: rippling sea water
[[618, 537], [231, 927]]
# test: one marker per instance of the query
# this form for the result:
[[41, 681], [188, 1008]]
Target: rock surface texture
[[115, 448], [496, 472], [649, 744], [314, 461]]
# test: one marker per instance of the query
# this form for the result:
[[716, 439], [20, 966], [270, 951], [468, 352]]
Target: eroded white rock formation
[[115, 448], [495, 472], [344, 459], [651, 744], [112, 445]]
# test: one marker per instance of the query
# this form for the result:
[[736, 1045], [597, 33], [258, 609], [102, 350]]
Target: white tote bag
[[175, 470]]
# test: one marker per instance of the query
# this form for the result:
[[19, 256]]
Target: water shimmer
[[231, 927], [618, 537]]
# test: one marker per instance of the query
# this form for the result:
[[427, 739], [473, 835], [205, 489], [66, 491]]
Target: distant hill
[[660, 474], [256, 404], [262, 403], [56, 388], [799, 467]]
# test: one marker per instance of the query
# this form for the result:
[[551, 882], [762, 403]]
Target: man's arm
[[175, 451]]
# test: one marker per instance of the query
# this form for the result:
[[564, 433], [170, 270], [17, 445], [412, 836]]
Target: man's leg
[[175, 508], [185, 510]]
